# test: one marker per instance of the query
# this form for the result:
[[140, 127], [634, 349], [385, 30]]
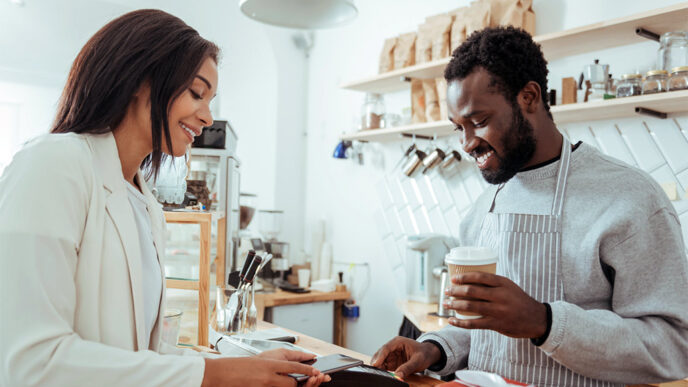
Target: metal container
[[444, 284], [415, 160], [433, 159]]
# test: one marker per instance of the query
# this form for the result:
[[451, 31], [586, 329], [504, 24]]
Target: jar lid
[[679, 68], [631, 76], [656, 72]]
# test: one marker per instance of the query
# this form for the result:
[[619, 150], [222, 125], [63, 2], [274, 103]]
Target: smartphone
[[329, 364]]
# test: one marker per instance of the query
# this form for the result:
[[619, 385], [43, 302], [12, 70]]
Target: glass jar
[[673, 50], [372, 111], [655, 82], [678, 80], [629, 85]]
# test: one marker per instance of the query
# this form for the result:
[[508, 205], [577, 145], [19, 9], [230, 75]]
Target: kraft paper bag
[[387, 55], [417, 101], [478, 17], [432, 102], [440, 26], [458, 28], [405, 50]]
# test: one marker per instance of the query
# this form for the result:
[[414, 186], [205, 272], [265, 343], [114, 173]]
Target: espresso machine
[[425, 254]]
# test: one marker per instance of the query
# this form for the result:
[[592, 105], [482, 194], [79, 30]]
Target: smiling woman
[[141, 82], [82, 236]]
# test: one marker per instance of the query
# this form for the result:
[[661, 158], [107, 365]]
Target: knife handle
[[247, 264], [248, 278]]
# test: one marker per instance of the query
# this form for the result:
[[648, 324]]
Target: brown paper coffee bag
[[528, 17], [432, 102], [441, 84], [478, 17], [424, 44], [440, 26], [458, 28], [387, 55], [417, 101], [514, 14], [405, 50]]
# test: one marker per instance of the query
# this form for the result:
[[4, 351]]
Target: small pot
[[414, 162], [434, 158]]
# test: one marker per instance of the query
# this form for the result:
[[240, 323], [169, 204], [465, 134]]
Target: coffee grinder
[[270, 228], [425, 253]]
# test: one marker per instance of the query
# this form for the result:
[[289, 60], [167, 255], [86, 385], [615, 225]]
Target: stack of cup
[[466, 259]]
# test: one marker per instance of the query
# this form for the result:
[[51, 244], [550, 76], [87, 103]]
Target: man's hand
[[405, 356], [504, 306]]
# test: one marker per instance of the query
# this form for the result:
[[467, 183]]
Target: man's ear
[[530, 97]]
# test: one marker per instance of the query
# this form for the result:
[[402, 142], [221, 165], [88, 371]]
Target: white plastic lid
[[471, 255]]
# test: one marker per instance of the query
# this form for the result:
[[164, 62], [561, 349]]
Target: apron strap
[[565, 161]]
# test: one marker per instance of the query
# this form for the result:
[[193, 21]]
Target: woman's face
[[190, 112]]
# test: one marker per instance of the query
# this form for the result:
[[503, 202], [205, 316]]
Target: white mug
[[304, 277]]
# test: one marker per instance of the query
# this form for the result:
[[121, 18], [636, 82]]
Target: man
[[592, 279]]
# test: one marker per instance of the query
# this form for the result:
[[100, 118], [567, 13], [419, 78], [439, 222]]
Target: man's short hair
[[508, 54]]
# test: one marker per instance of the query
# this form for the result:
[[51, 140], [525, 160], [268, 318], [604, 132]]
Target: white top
[[152, 279]]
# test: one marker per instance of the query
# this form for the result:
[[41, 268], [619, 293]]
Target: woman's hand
[[267, 370], [287, 355]]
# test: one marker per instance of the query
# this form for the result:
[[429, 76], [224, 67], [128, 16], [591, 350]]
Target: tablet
[[329, 364]]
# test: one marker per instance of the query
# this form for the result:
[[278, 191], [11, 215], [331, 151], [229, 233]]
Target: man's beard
[[519, 146]]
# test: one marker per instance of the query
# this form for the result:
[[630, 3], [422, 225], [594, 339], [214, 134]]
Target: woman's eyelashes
[[195, 95]]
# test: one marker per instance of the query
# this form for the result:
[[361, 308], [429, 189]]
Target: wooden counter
[[419, 314]]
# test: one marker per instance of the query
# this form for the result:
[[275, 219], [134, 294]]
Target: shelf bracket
[[650, 112], [416, 136], [405, 79], [640, 31]]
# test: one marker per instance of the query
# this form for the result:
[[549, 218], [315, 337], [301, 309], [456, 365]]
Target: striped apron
[[529, 249]]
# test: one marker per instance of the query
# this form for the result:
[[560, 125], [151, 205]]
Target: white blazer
[[71, 296]]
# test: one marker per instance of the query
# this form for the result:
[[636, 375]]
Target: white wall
[[260, 92], [370, 209]]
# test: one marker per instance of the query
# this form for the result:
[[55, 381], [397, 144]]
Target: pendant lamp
[[302, 14]]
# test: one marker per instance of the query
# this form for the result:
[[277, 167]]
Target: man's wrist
[[538, 341], [441, 357]]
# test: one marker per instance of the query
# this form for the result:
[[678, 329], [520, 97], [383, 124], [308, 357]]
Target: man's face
[[492, 129]]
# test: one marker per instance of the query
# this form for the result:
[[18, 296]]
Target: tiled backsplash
[[434, 204]]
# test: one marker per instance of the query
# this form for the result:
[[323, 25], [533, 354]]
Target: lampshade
[[303, 14]]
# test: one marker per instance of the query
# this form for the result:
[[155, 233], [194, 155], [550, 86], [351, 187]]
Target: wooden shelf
[[439, 128], [613, 33], [397, 79], [556, 45], [669, 102]]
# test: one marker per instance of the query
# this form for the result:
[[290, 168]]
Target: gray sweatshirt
[[625, 273]]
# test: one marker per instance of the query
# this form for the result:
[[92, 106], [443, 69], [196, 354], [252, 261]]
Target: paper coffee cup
[[304, 277], [467, 259]]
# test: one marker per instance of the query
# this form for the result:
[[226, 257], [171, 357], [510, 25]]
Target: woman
[[81, 236]]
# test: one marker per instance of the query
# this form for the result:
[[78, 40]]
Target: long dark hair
[[144, 45]]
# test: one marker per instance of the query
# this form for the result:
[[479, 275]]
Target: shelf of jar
[[436, 128], [556, 45], [669, 102]]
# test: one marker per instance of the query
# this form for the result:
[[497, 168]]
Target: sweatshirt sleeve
[[644, 337], [455, 342], [44, 199]]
